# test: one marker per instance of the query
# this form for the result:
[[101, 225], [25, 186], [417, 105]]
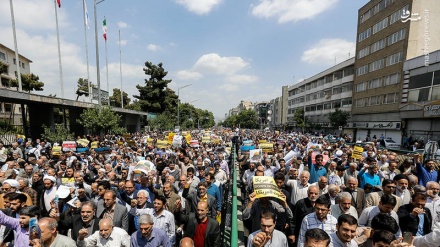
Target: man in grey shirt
[[267, 236]]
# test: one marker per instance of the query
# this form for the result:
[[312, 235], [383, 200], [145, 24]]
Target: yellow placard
[[56, 151], [171, 137], [206, 139], [120, 143], [149, 141], [263, 141], [357, 152], [265, 186], [83, 142], [94, 144], [161, 143], [188, 138]]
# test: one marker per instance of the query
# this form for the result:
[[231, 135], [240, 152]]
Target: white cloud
[[214, 64], [153, 47], [326, 50], [187, 75], [33, 15], [124, 42], [122, 25], [199, 7], [291, 10], [242, 78]]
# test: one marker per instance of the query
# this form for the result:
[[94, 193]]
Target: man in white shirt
[[108, 235], [299, 187], [344, 206]]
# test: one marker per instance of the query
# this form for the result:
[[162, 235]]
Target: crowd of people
[[136, 193], [132, 194], [334, 196]]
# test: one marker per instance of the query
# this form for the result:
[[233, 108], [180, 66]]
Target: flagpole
[[15, 47], [106, 67], [98, 77], [87, 50], [59, 51], [120, 68]]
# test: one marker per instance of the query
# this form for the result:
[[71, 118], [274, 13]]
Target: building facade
[[321, 94], [388, 33], [11, 113]]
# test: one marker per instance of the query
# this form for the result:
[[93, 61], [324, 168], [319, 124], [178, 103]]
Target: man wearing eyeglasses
[[388, 188], [319, 219]]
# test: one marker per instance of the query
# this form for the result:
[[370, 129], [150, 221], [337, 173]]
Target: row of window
[[380, 63], [327, 93], [323, 80], [424, 94], [377, 100], [396, 16], [379, 45], [375, 9], [378, 82], [325, 106]]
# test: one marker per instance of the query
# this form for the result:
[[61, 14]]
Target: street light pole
[[178, 103]]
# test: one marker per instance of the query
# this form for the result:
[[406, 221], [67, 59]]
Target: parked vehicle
[[389, 143]]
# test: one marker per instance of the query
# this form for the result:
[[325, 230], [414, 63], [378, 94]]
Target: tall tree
[[152, 96], [115, 99], [101, 120], [247, 119], [3, 68], [300, 119], [83, 88], [338, 118], [29, 82]]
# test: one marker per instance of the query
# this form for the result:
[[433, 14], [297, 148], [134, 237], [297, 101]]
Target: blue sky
[[230, 50]]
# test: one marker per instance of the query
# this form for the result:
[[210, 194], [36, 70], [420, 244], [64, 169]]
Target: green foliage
[[115, 99], [58, 133], [29, 82], [3, 68], [230, 121], [338, 118], [83, 88], [103, 119], [247, 119], [300, 119], [153, 95], [164, 121], [135, 106]]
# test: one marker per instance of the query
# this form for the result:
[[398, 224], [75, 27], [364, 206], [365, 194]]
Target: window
[[319, 107], [397, 36], [396, 16], [15, 61], [8, 107], [418, 95], [395, 58], [380, 25], [374, 100], [320, 82], [327, 106], [435, 93], [422, 80], [336, 104], [364, 35], [348, 71], [362, 70], [308, 86], [376, 65], [366, 15], [328, 78], [376, 83], [22, 65], [379, 45], [389, 98], [308, 97], [436, 80], [2, 56], [392, 79], [364, 52], [346, 102], [347, 87], [361, 87], [336, 90], [337, 75], [313, 84], [360, 103]]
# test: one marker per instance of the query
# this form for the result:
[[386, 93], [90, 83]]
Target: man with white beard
[[402, 188], [433, 202]]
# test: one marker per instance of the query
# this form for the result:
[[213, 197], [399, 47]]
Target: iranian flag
[[104, 28], [59, 3]]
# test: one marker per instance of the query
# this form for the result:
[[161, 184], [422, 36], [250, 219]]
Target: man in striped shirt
[[319, 219]]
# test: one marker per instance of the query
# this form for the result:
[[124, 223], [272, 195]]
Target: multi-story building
[[11, 113], [388, 33], [278, 106], [321, 94], [420, 104]]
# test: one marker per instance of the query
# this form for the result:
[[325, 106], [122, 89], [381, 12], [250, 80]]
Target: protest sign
[[265, 186], [357, 152], [255, 155]]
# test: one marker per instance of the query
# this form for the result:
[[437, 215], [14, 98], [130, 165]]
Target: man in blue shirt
[[426, 172], [147, 235], [316, 170], [214, 191], [371, 176]]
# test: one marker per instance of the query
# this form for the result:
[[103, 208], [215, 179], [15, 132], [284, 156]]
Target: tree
[[338, 118], [101, 120], [58, 133], [29, 82], [247, 119], [164, 121], [115, 99], [83, 88], [3, 68], [153, 95], [300, 119], [135, 106]]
